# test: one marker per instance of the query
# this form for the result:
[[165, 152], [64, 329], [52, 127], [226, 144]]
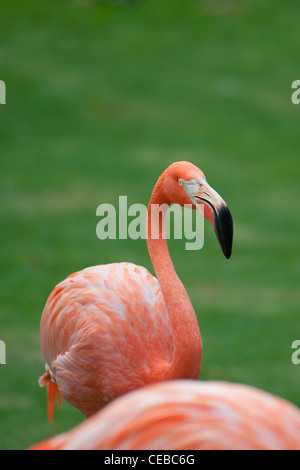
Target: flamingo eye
[[180, 182]]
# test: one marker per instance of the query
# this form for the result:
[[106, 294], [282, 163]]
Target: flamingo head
[[185, 183]]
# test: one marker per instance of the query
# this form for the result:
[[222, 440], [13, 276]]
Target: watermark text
[[131, 222], [2, 352], [296, 94], [296, 353], [2, 92]]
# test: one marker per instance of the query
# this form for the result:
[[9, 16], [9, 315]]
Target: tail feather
[[52, 391]]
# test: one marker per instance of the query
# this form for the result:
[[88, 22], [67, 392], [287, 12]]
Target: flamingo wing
[[105, 331]]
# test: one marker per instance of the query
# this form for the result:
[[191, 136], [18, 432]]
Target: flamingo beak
[[217, 212]]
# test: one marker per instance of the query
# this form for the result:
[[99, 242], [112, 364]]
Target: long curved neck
[[187, 339]]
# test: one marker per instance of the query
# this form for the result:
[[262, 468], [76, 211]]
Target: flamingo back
[[189, 415]]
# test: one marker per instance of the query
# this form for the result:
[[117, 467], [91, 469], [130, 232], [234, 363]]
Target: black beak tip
[[224, 229]]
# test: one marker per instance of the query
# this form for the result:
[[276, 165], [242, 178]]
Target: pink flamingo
[[188, 415], [114, 328]]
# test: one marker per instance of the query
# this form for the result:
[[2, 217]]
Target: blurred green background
[[101, 97]]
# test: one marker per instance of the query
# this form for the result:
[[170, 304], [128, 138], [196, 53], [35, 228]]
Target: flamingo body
[[92, 326], [188, 415]]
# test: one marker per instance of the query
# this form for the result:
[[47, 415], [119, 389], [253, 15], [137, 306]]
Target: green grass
[[100, 99]]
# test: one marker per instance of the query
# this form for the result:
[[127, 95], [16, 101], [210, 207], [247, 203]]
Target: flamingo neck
[[186, 335]]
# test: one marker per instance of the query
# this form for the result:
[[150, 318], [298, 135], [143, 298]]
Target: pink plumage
[[93, 326], [188, 415]]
